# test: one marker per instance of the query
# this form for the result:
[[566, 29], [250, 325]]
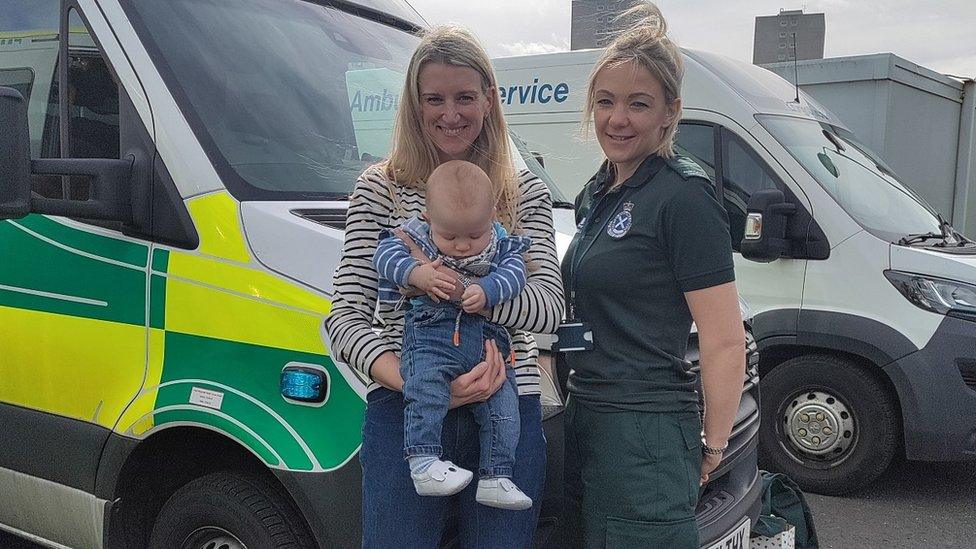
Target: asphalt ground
[[914, 505]]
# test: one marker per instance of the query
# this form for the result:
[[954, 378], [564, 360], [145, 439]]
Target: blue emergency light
[[303, 384]]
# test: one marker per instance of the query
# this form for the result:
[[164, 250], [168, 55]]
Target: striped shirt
[[362, 328]]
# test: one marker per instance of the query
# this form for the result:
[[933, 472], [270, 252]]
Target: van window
[[857, 179], [697, 141], [743, 174], [740, 172], [93, 104], [93, 97], [538, 170], [291, 100], [18, 79], [29, 49], [28, 62]]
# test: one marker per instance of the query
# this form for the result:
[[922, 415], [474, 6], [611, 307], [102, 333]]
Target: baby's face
[[461, 233]]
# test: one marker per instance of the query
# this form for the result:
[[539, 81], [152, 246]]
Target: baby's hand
[[473, 299], [426, 277]]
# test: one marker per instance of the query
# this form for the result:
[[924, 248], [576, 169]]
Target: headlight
[[947, 297]]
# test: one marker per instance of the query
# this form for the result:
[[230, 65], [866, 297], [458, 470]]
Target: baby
[[443, 339]]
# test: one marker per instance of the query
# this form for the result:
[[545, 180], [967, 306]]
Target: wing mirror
[[110, 199], [765, 232], [15, 168]]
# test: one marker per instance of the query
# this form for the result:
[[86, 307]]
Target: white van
[[174, 178], [864, 297]]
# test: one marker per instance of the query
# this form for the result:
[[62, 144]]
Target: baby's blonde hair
[[460, 186]]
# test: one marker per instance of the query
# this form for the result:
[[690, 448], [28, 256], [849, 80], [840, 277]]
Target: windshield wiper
[[948, 236], [913, 238], [951, 235]]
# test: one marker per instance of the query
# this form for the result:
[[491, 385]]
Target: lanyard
[[578, 256]]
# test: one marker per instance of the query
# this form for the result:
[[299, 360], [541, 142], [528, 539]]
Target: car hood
[[934, 263]]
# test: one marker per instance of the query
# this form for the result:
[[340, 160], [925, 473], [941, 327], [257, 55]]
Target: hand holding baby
[[435, 284]]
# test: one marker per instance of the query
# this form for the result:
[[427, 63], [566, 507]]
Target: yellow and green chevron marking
[[110, 331]]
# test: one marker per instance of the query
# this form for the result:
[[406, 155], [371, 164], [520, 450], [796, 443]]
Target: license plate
[[737, 539]]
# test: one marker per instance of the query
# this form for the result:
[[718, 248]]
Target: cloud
[[522, 47]]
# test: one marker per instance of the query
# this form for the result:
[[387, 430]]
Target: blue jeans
[[430, 361], [395, 517]]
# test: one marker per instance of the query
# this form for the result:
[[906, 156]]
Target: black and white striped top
[[355, 311]]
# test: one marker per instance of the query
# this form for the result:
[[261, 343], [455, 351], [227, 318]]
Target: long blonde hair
[[414, 156], [646, 43]]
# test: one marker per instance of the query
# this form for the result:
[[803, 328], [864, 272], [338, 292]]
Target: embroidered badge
[[621, 223]]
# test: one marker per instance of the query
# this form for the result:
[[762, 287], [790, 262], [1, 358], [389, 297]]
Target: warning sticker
[[206, 398]]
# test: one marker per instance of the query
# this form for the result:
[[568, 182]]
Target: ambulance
[[864, 296], [174, 179]]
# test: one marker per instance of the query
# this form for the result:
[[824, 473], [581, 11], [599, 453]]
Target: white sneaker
[[442, 478], [501, 493]]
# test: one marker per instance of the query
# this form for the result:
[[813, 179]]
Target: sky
[[939, 35]]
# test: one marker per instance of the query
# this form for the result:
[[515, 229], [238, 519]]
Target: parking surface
[[914, 505]]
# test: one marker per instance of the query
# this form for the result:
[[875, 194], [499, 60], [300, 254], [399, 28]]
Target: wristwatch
[[706, 449]]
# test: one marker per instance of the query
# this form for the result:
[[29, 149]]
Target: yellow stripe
[[218, 222], [198, 310], [74, 367], [46, 33], [146, 401], [244, 280]]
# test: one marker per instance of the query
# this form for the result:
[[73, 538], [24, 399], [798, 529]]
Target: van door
[[73, 293], [739, 167]]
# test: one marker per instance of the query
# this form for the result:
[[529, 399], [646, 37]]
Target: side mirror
[[15, 184], [765, 233], [110, 178]]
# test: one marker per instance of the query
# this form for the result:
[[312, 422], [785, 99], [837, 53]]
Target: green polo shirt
[[637, 250]]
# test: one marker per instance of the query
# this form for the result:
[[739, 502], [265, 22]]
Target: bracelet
[[706, 449], [465, 281]]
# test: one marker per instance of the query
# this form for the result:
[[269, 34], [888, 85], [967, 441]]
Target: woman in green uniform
[[651, 255]]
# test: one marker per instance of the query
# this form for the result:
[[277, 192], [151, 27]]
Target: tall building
[[774, 37], [595, 22]]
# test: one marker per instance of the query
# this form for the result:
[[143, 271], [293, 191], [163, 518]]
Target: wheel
[[229, 510], [827, 423]]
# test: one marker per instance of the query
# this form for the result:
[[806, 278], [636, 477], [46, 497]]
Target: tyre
[[829, 424], [229, 510]]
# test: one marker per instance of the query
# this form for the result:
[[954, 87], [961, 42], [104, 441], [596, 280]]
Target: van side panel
[[28, 504], [73, 311], [852, 282], [224, 328]]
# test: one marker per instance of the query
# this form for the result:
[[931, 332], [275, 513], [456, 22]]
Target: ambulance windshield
[[290, 99], [867, 189]]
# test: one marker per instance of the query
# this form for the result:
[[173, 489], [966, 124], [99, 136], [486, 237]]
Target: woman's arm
[[723, 362], [539, 307], [350, 322]]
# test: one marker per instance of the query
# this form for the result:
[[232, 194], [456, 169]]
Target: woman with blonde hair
[[449, 110], [651, 255]]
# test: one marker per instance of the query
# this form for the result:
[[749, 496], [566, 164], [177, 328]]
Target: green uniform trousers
[[632, 478]]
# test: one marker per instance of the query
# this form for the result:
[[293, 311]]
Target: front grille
[[330, 217], [715, 506], [967, 368], [746, 425]]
